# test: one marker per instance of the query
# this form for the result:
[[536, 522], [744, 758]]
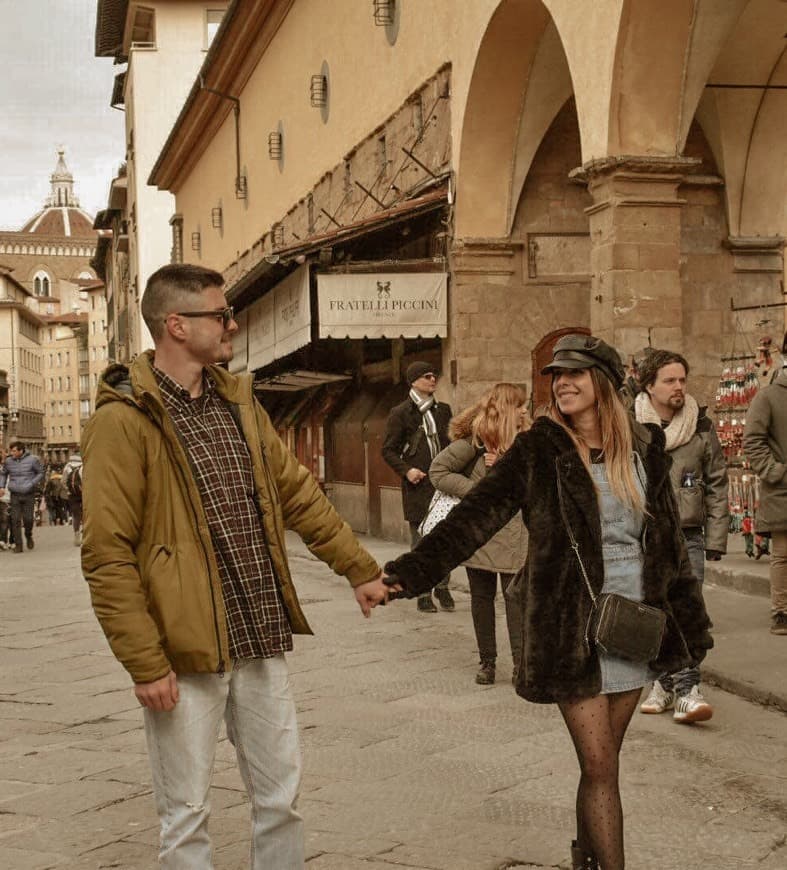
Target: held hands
[[160, 695], [415, 475], [369, 595]]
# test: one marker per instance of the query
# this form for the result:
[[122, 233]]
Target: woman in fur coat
[[587, 467], [480, 435]]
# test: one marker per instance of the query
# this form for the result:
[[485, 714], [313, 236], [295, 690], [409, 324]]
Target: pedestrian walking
[[416, 431], [480, 435], [21, 473], [593, 489], [765, 446], [5, 520], [699, 478], [55, 496], [187, 492], [72, 480]]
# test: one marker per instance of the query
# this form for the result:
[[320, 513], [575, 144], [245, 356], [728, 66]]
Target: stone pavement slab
[[408, 763]]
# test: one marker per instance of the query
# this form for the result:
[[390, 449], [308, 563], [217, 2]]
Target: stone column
[[485, 293], [635, 225]]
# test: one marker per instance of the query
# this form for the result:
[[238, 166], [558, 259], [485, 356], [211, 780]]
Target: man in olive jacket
[[416, 431], [765, 446], [699, 478], [187, 492]]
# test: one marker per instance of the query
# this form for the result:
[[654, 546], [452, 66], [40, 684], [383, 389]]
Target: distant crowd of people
[[29, 489]]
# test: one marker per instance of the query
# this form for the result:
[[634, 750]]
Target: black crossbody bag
[[618, 626]]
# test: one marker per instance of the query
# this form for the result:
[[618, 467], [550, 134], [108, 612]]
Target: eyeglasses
[[429, 376], [225, 315]]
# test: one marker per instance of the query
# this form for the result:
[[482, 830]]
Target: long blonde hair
[[494, 420], [616, 439]]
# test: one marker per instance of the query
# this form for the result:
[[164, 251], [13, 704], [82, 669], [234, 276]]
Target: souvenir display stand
[[744, 372]]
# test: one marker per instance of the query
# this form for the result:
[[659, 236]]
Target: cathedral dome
[[62, 222], [61, 216]]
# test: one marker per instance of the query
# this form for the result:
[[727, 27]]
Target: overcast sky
[[54, 91]]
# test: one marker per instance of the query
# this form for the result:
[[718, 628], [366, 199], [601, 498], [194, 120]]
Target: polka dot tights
[[597, 727]]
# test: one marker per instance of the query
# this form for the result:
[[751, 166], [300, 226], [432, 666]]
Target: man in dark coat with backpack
[[416, 431], [72, 480]]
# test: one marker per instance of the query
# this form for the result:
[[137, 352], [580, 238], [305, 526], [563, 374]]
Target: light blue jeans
[[682, 682], [256, 702]]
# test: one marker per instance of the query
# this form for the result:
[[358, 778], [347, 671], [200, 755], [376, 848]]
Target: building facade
[[620, 171], [163, 44], [49, 259], [21, 365]]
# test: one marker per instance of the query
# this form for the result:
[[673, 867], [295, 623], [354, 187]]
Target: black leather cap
[[584, 352]]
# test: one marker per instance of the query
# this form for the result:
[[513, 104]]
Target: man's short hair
[[169, 288], [16, 445], [648, 369]]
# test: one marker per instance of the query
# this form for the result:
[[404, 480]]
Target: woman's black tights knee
[[597, 726]]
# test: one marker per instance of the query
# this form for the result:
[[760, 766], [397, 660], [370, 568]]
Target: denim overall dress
[[621, 534]]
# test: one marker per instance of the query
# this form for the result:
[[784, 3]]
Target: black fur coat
[[556, 663]]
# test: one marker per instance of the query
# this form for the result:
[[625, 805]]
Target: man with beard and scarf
[[699, 477], [416, 431]]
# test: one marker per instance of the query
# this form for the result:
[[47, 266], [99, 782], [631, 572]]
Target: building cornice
[[246, 31]]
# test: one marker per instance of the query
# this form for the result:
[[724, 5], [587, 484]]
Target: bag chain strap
[[575, 548]]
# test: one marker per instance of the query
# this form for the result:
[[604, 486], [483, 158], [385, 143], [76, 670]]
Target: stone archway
[[520, 81]]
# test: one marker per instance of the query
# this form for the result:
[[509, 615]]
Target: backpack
[[74, 482]]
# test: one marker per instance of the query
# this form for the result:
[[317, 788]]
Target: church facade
[[51, 386]]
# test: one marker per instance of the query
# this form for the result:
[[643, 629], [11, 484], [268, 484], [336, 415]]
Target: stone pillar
[[635, 227], [485, 293]]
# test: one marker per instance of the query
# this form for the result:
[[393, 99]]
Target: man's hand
[[2, 492], [415, 475], [713, 555], [160, 695], [369, 595]]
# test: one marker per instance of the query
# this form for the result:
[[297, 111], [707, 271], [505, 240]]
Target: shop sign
[[280, 322], [383, 305], [260, 329], [292, 312], [240, 344]]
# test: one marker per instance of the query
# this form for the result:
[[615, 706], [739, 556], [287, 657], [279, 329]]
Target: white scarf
[[682, 426], [424, 405]]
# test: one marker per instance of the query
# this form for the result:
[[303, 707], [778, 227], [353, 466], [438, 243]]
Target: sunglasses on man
[[225, 315]]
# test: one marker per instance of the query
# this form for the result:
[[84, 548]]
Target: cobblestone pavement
[[408, 763]]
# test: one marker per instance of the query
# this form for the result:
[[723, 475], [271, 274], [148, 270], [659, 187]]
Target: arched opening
[[42, 285], [520, 81]]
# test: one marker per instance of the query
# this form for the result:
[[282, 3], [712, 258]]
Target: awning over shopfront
[[299, 380], [280, 322], [240, 345], [383, 305]]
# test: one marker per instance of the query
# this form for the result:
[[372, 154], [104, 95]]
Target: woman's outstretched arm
[[477, 518]]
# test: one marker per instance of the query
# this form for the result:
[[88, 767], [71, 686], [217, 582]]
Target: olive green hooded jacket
[[147, 554]]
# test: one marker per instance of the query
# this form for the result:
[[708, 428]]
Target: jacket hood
[[132, 383]]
